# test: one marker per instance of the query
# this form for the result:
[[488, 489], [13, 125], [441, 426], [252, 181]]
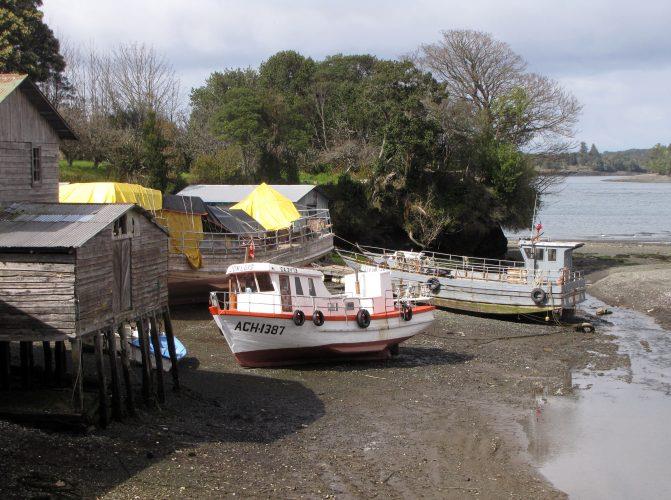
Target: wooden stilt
[[5, 365], [77, 375], [114, 373], [158, 358], [125, 366], [59, 355], [26, 372], [48, 364], [147, 386], [102, 379], [170, 337]]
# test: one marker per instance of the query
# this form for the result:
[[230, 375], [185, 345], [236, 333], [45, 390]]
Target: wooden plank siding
[[21, 129], [37, 296]]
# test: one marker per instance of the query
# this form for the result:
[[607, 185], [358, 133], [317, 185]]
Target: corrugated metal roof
[[233, 193], [54, 225], [9, 82]]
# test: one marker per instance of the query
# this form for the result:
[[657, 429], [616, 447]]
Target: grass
[[320, 178], [84, 171]]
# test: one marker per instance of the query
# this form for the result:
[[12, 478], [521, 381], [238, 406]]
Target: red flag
[[251, 249]]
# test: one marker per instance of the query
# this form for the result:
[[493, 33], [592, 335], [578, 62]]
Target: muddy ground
[[444, 419]]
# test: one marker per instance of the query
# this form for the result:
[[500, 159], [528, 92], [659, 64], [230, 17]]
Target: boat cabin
[[274, 289], [548, 256]]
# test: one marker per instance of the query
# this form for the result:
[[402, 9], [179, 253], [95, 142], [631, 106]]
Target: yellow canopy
[[269, 208], [186, 233], [110, 192]]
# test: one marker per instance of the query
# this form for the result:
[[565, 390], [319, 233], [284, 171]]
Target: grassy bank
[[84, 171]]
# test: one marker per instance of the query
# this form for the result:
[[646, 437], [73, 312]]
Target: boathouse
[[30, 131], [304, 196], [81, 273]]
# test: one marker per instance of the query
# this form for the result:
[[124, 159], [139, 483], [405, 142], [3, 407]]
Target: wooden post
[[5, 364], [125, 366], [147, 389], [158, 358], [46, 347], [114, 374], [59, 354], [102, 379], [170, 337], [26, 365], [77, 375]]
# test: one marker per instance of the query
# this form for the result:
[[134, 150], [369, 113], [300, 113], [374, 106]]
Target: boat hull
[[493, 296], [274, 340]]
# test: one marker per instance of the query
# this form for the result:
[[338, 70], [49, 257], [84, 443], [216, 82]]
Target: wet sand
[[445, 419]]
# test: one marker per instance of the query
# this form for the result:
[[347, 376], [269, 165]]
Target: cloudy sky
[[614, 55]]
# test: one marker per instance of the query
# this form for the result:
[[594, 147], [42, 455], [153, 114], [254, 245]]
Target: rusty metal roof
[[9, 82], [55, 225]]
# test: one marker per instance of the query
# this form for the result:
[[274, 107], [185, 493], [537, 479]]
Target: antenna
[[533, 217]]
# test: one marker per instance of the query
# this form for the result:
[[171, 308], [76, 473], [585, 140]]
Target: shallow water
[[593, 208], [613, 438]]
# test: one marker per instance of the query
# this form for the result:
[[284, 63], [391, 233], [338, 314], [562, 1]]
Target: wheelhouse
[[548, 256]]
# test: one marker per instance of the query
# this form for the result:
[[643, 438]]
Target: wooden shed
[[74, 271], [30, 131]]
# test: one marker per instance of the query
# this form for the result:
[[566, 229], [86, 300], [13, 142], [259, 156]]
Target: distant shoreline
[[647, 178]]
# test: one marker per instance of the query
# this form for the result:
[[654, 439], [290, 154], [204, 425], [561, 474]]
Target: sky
[[613, 55]]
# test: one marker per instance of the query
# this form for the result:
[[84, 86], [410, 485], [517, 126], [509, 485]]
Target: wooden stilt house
[[75, 271]]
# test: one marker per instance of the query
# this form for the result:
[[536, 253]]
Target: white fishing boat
[[543, 282], [278, 315]]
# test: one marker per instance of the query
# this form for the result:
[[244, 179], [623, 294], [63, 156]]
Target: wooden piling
[[114, 374], [170, 337], [5, 365], [26, 364], [102, 379], [77, 375], [125, 366], [158, 358], [60, 364], [48, 364], [143, 336]]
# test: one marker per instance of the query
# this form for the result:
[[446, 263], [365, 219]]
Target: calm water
[[612, 440], [592, 208]]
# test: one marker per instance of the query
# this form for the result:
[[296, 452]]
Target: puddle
[[613, 438]]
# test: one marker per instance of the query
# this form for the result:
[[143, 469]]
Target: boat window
[[552, 254], [527, 250], [299, 286], [311, 287], [265, 283], [539, 253], [247, 282]]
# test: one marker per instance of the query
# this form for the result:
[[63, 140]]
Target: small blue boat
[[165, 353]]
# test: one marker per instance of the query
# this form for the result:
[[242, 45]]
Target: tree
[[659, 159], [27, 44], [522, 108], [583, 154], [594, 158]]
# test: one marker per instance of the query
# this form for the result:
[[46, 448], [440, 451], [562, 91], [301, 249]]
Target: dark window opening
[[247, 283], [552, 254], [36, 166], [311, 287], [121, 226], [299, 286], [265, 283]]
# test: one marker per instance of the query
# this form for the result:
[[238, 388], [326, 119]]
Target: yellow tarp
[[269, 208], [186, 233], [110, 192]]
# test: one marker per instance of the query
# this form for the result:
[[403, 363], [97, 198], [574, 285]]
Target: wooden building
[[30, 131], [82, 271]]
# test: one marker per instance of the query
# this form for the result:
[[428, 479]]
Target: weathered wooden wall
[[95, 277], [37, 296], [22, 128]]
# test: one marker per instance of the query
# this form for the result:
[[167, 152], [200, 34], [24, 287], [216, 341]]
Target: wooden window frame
[[35, 165]]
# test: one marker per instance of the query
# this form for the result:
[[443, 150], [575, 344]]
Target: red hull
[[300, 355]]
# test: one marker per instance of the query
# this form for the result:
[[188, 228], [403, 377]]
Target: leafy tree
[[226, 166], [659, 159], [27, 44]]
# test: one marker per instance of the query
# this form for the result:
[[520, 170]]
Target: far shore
[[647, 178]]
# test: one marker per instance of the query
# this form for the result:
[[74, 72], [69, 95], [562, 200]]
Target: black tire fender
[[539, 296], [318, 318], [434, 285], [298, 317], [363, 318], [406, 313]]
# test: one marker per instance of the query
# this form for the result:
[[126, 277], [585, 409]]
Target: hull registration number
[[253, 327]]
